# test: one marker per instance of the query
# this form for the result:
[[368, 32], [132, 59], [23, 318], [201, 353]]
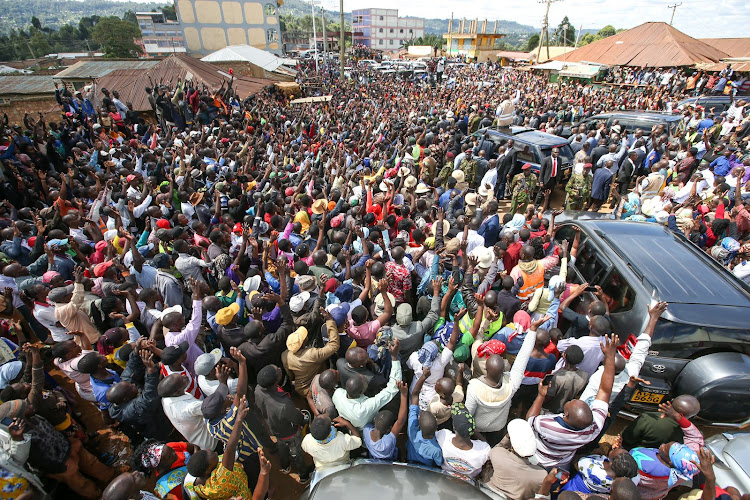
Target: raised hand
[[222, 373], [237, 354], [667, 410]]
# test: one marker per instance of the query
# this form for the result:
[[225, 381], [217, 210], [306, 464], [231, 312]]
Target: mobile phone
[[591, 289], [562, 475], [547, 379]]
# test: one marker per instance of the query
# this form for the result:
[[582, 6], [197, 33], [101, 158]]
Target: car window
[[524, 155], [591, 264], [620, 296], [566, 153]]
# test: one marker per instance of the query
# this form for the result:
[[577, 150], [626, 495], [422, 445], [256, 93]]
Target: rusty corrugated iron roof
[[650, 44], [130, 83], [86, 70], [735, 47], [26, 84]]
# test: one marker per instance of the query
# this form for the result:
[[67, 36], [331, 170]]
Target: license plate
[[646, 397]]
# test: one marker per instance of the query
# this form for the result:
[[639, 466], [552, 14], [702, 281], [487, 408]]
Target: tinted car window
[[591, 265], [621, 296], [566, 154], [523, 155]]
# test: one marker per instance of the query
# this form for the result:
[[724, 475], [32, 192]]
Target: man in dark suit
[[487, 146], [506, 169], [490, 227], [598, 152], [550, 173], [626, 172]]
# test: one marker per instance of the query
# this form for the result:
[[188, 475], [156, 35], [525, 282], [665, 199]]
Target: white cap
[[522, 437], [297, 302]]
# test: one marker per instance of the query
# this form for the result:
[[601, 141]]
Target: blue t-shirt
[[100, 388], [384, 448], [419, 449]]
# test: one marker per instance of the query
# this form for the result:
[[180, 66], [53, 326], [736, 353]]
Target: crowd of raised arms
[[236, 280]]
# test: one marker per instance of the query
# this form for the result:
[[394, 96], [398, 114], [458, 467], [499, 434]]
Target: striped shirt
[[192, 387], [557, 442], [222, 428]]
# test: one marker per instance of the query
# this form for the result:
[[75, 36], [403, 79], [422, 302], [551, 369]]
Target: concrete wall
[[210, 25]]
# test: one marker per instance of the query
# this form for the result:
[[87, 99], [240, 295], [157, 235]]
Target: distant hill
[[56, 13], [437, 26]]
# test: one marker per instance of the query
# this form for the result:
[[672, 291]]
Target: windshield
[[566, 154], [668, 331]]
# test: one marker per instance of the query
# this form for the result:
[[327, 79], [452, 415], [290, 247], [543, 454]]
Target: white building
[[382, 29]]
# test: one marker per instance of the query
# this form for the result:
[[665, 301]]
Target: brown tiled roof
[[650, 44], [130, 83]]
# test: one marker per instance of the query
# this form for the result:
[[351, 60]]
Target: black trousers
[[540, 195]]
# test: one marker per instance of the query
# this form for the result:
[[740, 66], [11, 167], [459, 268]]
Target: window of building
[[380, 30], [358, 19], [391, 30], [401, 30], [160, 33], [411, 31], [390, 42], [380, 42], [270, 9], [147, 32], [272, 35], [381, 18]]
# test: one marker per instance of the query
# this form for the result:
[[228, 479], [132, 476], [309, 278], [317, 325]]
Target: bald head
[[172, 386], [124, 486], [122, 392], [578, 414], [356, 357], [490, 298], [687, 405], [624, 488], [445, 386], [619, 363], [427, 424], [355, 386], [397, 253], [495, 368], [542, 339], [527, 253]]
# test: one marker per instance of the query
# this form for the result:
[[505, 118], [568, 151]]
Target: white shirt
[[490, 178], [45, 314], [208, 387], [466, 462], [185, 414]]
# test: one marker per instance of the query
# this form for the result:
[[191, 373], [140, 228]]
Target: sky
[[697, 18]]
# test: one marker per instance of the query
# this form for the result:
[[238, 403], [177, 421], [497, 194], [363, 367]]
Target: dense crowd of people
[[235, 280]]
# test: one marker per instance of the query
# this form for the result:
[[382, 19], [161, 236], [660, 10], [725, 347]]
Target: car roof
[[688, 276], [378, 481], [528, 135], [655, 116]]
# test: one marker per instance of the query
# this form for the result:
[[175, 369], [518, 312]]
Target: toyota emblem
[[658, 368]]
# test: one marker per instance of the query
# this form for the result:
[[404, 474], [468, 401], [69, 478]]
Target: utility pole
[[342, 38], [674, 8], [325, 38], [33, 56], [315, 35], [545, 31]]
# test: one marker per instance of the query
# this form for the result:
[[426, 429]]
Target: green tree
[[36, 23], [116, 37], [565, 34], [129, 16], [588, 38], [39, 44], [606, 31], [169, 12], [532, 42]]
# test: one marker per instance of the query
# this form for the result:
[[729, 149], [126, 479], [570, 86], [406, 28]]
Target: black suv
[[719, 103], [701, 345], [531, 146], [632, 120]]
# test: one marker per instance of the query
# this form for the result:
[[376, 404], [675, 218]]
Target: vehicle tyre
[[721, 382]]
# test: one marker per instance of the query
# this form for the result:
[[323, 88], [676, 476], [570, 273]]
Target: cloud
[[727, 19]]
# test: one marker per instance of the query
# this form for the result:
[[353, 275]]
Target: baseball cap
[[57, 242], [296, 340], [213, 406], [297, 302], [226, 315], [404, 314], [206, 362], [522, 437], [172, 353], [340, 314], [59, 293], [100, 269]]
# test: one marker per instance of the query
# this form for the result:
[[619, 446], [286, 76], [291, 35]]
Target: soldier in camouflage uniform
[[578, 188], [521, 186], [469, 168]]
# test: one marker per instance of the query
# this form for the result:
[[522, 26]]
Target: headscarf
[[630, 206], [13, 409], [463, 420], [427, 354], [8, 372], [521, 323], [682, 459], [152, 456], [491, 347], [516, 223]]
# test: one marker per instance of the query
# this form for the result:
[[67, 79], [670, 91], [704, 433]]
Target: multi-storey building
[[210, 25], [382, 29], [160, 36]]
